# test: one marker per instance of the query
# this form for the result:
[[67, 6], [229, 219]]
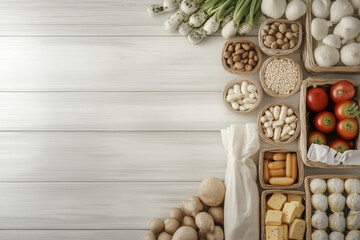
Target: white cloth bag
[[241, 206]]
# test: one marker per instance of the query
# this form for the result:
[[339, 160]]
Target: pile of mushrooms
[[203, 220]]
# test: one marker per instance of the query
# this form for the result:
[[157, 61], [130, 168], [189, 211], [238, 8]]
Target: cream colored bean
[[268, 124], [231, 98], [269, 132], [278, 123], [237, 88], [250, 100], [263, 119], [244, 90], [277, 133], [230, 91], [283, 112], [291, 132], [293, 125], [290, 112], [290, 119], [251, 88], [235, 105], [276, 112]]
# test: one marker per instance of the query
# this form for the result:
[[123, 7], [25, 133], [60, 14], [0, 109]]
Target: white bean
[[249, 106], [252, 95], [272, 110], [284, 138], [278, 123], [268, 113], [240, 101], [285, 130], [290, 119], [237, 88], [269, 118], [290, 112], [242, 108], [277, 133], [283, 112], [291, 132], [263, 119], [293, 125], [231, 98], [244, 90], [270, 132], [249, 100], [235, 105], [276, 112], [268, 124], [230, 91], [251, 88]]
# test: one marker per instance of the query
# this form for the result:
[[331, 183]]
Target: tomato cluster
[[337, 112]]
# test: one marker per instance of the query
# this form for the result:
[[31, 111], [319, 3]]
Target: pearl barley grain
[[281, 76]]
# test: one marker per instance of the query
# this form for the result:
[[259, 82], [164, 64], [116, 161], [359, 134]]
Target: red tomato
[[346, 109], [316, 99], [325, 122], [341, 91], [339, 145], [348, 128], [317, 138]]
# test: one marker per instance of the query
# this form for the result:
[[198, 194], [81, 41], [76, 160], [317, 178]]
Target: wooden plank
[[72, 234], [80, 17], [111, 156], [82, 111], [81, 205]]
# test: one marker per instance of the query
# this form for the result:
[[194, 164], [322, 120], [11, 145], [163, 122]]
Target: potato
[[149, 236], [217, 213], [171, 225], [218, 234], [164, 236], [190, 222], [192, 206], [185, 233], [212, 191], [176, 213], [205, 222], [156, 225]]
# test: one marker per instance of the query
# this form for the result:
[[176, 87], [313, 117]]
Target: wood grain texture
[[72, 234], [67, 111], [111, 156], [89, 205]]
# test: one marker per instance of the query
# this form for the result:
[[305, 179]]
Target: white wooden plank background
[[105, 120]]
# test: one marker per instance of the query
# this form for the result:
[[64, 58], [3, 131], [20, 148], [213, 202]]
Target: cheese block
[[299, 209], [288, 213], [274, 232], [297, 229], [277, 201], [273, 218], [294, 198], [285, 231]]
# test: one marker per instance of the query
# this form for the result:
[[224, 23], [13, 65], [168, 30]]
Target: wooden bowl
[[279, 52], [238, 81], [240, 72], [261, 131], [268, 90]]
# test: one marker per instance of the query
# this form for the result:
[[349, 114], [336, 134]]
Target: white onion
[[326, 56], [321, 8], [319, 28], [273, 8], [350, 54], [295, 10], [340, 9], [332, 40]]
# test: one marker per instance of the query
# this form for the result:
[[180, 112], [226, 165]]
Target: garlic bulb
[[358, 38], [355, 3], [353, 220], [319, 28], [321, 8], [318, 185], [350, 54], [319, 235], [352, 185], [336, 236], [273, 8], [295, 10], [335, 185], [337, 222], [353, 201], [340, 9], [320, 220], [326, 56], [353, 235], [332, 40], [348, 28], [319, 201], [337, 202]]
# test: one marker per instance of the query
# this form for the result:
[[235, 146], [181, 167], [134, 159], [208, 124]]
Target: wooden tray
[[263, 208], [304, 119], [300, 167], [308, 196]]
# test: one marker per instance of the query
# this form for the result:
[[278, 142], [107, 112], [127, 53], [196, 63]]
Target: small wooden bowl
[[238, 81], [271, 92], [239, 72], [300, 168], [261, 131], [279, 52], [264, 197]]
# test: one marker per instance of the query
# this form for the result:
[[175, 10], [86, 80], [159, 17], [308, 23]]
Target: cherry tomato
[[316, 138], [341, 91], [325, 122], [346, 109], [317, 99], [348, 128], [340, 145]]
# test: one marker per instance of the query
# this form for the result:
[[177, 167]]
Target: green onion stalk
[[213, 23], [251, 18], [241, 10], [200, 16]]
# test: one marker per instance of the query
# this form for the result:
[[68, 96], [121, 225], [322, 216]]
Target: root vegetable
[[156, 225], [217, 213], [350, 54], [340, 9], [319, 28], [149, 236], [326, 56], [273, 8], [348, 28], [192, 206], [176, 213], [295, 9], [218, 234], [212, 191], [205, 222], [171, 225], [189, 221], [321, 8], [185, 233], [172, 24], [164, 236]]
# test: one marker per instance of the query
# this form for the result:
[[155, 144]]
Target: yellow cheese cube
[[299, 209], [294, 198], [273, 218], [274, 232], [285, 231], [276, 201], [297, 229], [288, 213]]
